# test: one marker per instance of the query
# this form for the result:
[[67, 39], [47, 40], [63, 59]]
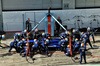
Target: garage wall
[[30, 4], [68, 4], [87, 3], [0, 16], [44, 4], [0, 8], [97, 3], [0, 23], [13, 21]]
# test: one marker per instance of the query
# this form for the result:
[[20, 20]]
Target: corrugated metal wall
[[13, 21], [0, 16], [87, 3], [0, 24], [68, 4], [30, 4]]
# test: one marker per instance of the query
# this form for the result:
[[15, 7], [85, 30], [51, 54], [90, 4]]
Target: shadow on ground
[[94, 62], [6, 54], [97, 41]]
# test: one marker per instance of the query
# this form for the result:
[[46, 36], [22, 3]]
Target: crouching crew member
[[36, 34], [35, 47], [64, 35], [63, 42], [75, 34], [20, 45], [23, 34], [13, 45], [77, 45], [68, 50], [45, 44], [17, 36], [46, 35]]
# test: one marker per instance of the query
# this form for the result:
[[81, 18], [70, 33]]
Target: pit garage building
[[13, 13]]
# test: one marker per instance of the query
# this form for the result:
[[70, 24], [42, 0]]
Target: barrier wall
[[15, 21], [0, 23]]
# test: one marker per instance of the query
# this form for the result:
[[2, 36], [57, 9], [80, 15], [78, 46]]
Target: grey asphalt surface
[[56, 59]]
